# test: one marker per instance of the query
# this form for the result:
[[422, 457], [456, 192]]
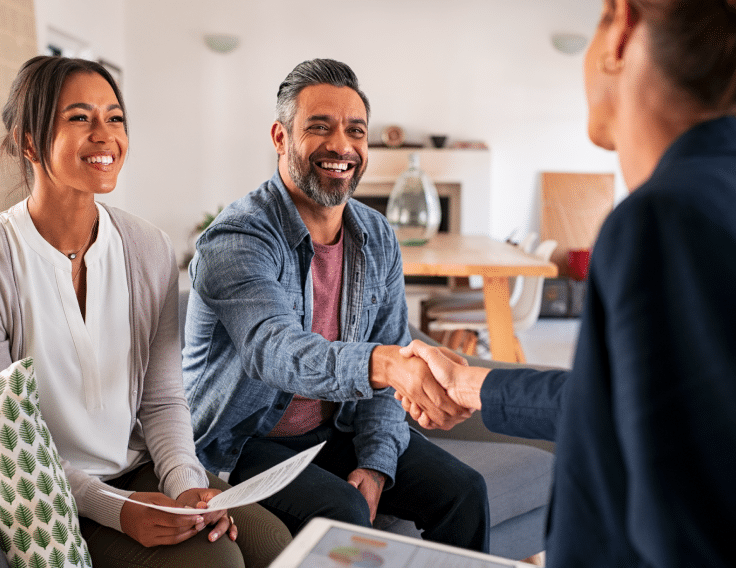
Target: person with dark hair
[[91, 293], [293, 328], [644, 422]]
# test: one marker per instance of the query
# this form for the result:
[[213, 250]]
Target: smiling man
[[293, 331]]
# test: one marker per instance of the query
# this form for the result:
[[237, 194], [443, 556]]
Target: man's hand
[[412, 379], [451, 371], [370, 483], [198, 498], [151, 527]]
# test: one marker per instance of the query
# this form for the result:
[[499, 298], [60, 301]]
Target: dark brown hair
[[28, 114], [693, 42]]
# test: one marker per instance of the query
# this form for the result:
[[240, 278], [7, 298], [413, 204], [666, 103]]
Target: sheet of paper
[[249, 491]]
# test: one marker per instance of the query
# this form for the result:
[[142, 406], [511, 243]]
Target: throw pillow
[[39, 526]]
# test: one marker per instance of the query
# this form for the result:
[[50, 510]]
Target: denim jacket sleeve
[[243, 272]]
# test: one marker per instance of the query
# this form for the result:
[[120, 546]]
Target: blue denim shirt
[[249, 344]]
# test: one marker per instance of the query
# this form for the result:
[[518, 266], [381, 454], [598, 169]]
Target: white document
[[249, 491]]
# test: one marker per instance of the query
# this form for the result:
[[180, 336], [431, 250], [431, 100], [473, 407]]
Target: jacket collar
[[712, 137]]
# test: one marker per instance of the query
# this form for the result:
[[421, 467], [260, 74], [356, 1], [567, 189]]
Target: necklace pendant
[[72, 255]]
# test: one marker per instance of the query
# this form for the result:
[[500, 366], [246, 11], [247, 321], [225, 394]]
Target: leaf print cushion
[[39, 525]]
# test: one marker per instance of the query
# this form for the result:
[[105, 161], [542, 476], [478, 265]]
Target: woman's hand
[[151, 527], [198, 498]]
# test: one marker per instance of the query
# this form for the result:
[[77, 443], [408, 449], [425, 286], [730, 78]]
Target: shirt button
[[234, 452], [279, 406], [373, 300], [358, 394]]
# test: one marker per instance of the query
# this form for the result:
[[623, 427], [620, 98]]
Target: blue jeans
[[446, 499]]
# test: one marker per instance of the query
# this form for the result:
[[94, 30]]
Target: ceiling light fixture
[[221, 43], [568, 43]]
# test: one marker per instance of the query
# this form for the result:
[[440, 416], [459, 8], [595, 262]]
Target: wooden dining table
[[496, 261]]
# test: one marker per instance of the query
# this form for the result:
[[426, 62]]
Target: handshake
[[434, 385]]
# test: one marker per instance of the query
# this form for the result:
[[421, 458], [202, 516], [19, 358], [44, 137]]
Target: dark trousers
[[446, 499], [260, 537]]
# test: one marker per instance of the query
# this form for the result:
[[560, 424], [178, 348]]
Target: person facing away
[[644, 422], [294, 322], [91, 293]]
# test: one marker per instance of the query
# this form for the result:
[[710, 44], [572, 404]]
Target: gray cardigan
[[156, 381]]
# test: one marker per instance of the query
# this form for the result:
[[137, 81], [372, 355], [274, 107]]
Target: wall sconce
[[569, 44], [221, 43]]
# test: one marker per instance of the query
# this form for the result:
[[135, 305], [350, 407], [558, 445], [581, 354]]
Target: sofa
[[518, 474]]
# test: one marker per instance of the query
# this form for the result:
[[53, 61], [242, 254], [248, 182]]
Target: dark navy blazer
[[645, 422]]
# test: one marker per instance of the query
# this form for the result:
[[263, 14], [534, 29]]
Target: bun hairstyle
[[694, 43], [28, 114]]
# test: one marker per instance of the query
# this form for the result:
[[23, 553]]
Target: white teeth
[[104, 160], [334, 166]]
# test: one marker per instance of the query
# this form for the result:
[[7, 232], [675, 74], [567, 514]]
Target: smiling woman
[[91, 293]]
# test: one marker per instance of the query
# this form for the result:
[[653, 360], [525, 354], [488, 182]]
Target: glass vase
[[413, 209]]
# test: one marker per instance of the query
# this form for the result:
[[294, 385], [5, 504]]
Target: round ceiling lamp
[[569, 44], [221, 43]]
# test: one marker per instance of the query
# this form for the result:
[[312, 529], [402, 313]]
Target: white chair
[[459, 323]]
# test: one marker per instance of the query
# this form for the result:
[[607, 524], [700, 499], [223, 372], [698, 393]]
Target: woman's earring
[[609, 65]]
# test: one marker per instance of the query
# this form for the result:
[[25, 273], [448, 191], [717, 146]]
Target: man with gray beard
[[295, 320]]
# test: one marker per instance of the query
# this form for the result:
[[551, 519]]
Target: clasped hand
[[450, 372], [152, 527]]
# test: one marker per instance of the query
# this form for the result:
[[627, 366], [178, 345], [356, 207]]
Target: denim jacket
[[249, 345]]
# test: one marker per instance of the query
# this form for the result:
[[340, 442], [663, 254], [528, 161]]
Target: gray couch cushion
[[518, 477]]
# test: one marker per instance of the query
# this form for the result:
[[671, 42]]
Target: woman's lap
[[261, 536]]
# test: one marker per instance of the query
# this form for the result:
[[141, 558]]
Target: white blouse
[[82, 365]]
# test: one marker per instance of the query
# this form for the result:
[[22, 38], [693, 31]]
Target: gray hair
[[314, 72]]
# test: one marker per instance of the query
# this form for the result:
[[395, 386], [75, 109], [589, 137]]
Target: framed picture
[[115, 71]]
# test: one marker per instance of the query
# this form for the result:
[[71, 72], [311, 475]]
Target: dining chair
[[456, 325]]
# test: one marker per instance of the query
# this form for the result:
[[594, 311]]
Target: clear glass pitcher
[[413, 208]]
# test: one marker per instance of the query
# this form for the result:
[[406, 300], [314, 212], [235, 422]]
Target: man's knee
[[346, 504]]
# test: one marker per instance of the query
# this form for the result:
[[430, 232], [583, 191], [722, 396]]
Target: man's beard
[[325, 192]]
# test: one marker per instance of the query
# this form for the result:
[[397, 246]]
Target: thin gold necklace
[[73, 255]]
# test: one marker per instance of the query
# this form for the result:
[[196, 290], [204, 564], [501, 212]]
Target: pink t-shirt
[[305, 414]]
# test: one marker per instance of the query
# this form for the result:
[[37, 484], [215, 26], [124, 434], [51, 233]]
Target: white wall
[[473, 69]]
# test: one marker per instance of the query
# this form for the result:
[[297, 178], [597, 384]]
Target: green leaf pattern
[[17, 382], [39, 525], [42, 537], [11, 409], [27, 432], [26, 461], [7, 466], [45, 483], [37, 561], [7, 492], [26, 489], [22, 540], [24, 515], [44, 512], [8, 437], [6, 517], [43, 456], [57, 559]]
